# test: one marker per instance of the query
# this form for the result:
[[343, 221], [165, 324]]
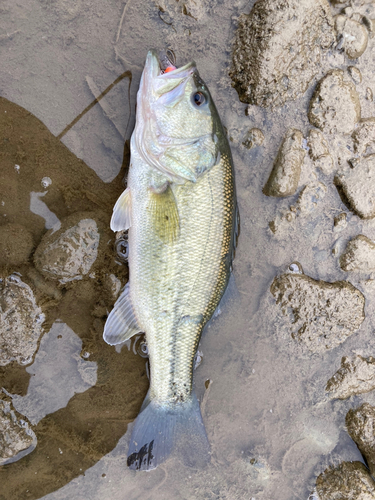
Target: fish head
[[177, 125]]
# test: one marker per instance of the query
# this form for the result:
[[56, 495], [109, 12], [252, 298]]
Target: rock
[[339, 222], [20, 321], [278, 49], [308, 199], [286, 171], [359, 255], [15, 435], [254, 137], [355, 376], [321, 315], [353, 34], [361, 428], [70, 253], [16, 244], [355, 74], [348, 481], [334, 106], [319, 151], [369, 94], [358, 186], [364, 135]]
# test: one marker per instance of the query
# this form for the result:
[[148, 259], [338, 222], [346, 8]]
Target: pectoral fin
[[121, 323], [164, 213], [121, 217]]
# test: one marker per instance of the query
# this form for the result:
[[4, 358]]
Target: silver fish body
[[181, 212]]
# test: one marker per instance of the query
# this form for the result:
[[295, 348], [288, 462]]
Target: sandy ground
[[271, 425]]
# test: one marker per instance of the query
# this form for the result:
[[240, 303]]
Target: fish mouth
[[161, 65]]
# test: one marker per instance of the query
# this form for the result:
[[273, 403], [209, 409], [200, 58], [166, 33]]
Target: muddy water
[[271, 425]]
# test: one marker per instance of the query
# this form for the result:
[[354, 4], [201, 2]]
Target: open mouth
[[167, 64], [167, 61]]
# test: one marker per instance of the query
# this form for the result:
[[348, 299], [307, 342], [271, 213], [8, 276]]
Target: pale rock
[[320, 315], [355, 376], [284, 178], [355, 74], [358, 185], [69, 253], [359, 255], [354, 36], [335, 106]]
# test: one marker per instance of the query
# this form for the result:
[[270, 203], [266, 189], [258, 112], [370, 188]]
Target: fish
[[180, 210]]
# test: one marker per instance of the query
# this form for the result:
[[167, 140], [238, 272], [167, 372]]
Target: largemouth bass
[[181, 212]]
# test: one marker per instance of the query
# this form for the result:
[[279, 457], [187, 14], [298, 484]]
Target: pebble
[[353, 34], [359, 255], [335, 106], [340, 222], [69, 253], [286, 171], [355, 376], [254, 137], [321, 315], [355, 74], [369, 94], [358, 185], [278, 49]]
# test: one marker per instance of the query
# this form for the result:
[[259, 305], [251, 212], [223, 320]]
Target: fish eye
[[199, 98]]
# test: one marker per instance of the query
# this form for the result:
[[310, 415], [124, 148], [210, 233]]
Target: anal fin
[[121, 323]]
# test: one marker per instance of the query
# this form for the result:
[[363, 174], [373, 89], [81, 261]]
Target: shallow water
[[270, 423]]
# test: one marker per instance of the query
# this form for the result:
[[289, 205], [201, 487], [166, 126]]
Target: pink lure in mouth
[[169, 68]]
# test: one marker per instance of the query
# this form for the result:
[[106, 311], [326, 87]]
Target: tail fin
[[159, 429]]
